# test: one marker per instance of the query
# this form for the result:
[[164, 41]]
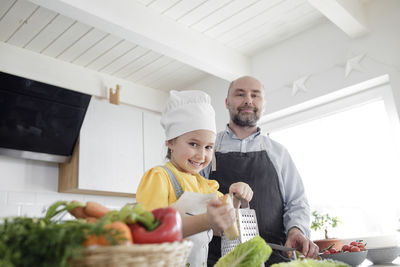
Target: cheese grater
[[247, 227]]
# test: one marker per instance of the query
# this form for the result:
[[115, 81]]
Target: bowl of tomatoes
[[353, 254]]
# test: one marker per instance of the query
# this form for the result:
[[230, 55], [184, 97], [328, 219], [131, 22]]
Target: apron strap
[[262, 145], [218, 146], [175, 183]]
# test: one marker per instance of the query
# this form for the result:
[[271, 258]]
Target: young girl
[[189, 123]]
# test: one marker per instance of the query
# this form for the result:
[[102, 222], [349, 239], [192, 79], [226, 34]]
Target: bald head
[[246, 82]]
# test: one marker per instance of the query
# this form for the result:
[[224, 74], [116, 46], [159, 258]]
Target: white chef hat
[[187, 111]]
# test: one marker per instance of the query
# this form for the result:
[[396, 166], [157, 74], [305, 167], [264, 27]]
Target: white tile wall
[[32, 210], [3, 198], [28, 188], [21, 198], [9, 210]]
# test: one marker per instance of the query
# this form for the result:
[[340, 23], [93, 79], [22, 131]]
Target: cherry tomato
[[354, 243], [355, 249], [345, 248], [333, 250]]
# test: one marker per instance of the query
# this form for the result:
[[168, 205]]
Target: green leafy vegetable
[[248, 254], [40, 242]]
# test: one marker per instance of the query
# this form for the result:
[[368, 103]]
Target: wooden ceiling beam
[[348, 15], [136, 23]]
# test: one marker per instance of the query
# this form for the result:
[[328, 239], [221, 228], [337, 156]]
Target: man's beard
[[244, 120]]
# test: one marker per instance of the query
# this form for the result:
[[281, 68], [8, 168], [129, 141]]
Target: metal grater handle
[[243, 203]]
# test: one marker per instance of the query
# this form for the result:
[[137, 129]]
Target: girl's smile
[[192, 151]]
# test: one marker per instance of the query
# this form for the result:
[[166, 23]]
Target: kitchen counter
[[396, 262]]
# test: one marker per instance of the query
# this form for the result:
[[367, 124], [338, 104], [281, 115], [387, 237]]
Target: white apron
[[194, 204], [189, 204]]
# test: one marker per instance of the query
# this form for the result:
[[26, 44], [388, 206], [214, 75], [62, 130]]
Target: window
[[348, 156]]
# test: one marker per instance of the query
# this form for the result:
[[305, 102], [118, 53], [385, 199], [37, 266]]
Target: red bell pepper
[[169, 229]]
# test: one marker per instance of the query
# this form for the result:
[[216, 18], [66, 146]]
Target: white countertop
[[396, 262]]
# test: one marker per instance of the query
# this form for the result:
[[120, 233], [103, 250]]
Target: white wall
[[322, 53], [27, 187]]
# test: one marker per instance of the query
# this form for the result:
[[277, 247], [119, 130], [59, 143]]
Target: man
[[243, 154]]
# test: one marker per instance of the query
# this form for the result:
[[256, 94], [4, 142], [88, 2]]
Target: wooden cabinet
[[117, 143]]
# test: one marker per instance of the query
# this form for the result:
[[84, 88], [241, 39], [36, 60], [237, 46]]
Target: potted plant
[[324, 222]]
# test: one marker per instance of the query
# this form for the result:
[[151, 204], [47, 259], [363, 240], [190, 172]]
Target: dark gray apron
[[257, 170]]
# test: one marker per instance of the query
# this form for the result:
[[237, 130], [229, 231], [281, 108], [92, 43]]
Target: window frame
[[347, 98]]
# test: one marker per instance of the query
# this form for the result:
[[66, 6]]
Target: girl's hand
[[241, 191], [219, 216]]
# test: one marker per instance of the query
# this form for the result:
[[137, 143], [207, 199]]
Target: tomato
[[346, 248], [326, 252], [333, 250], [355, 249], [354, 243]]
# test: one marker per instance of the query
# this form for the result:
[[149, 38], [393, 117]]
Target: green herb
[[40, 242]]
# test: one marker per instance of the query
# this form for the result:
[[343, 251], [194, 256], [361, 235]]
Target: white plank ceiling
[[245, 27]]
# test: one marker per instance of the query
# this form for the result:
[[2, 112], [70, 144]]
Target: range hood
[[37, 120]]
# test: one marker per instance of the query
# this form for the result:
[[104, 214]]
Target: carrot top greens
[[39, 242]]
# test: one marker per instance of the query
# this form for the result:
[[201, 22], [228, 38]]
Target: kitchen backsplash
[[28, 187]]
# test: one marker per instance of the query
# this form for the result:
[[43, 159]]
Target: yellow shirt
[[156, 190]]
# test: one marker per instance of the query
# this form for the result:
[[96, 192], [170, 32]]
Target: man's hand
[[296, 239], [240, 191]]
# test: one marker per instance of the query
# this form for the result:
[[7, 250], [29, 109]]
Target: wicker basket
[[160, 255]]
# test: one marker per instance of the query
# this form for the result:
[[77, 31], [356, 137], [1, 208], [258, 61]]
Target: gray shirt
[[296, 209]]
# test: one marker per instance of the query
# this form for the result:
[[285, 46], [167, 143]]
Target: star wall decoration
[[299, 85], [354, 64]]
